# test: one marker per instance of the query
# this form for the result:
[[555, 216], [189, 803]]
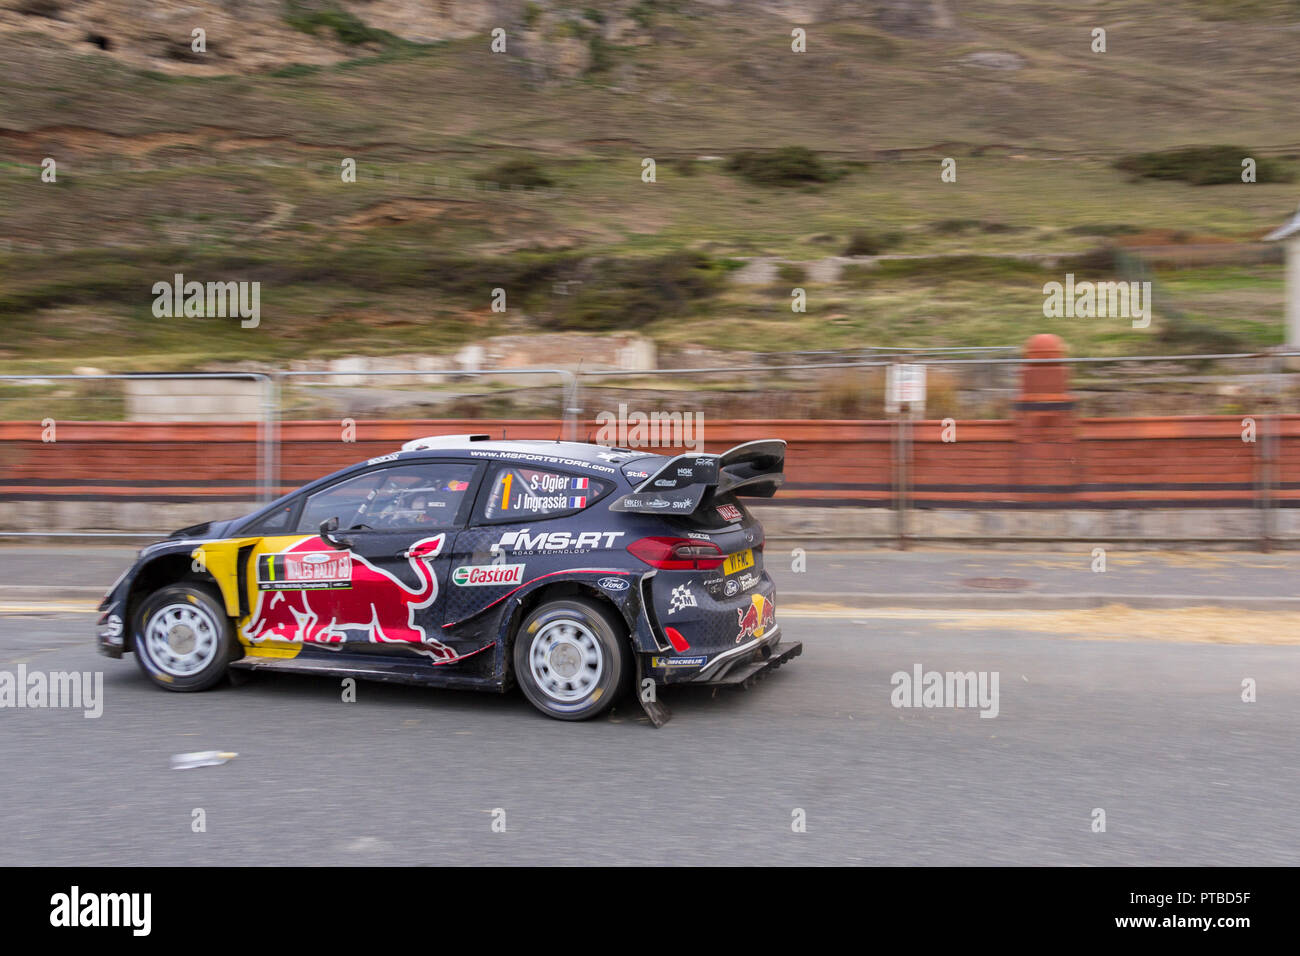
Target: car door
[[528, 524], [377, 578]]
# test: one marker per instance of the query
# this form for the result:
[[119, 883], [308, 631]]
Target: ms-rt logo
[[77, 909]]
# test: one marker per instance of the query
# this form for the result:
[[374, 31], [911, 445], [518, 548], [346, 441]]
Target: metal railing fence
[[1261, 385]]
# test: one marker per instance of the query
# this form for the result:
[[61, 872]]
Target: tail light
[[677, 554], [679, 643]]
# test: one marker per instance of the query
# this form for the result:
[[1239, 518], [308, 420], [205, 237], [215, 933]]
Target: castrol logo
[[486, 575]]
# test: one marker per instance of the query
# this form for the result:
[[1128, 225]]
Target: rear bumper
[[749, 662]]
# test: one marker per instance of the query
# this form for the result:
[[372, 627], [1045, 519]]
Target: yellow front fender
[[221, 560]]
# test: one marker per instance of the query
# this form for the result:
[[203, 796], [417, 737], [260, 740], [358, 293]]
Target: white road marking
[[50, 608], [879, 613]]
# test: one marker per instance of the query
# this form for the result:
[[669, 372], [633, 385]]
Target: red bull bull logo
[[311, 596], [755, 620]]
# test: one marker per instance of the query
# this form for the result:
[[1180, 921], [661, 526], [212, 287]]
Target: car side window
[[275, 522], [525, 493], [399, 498]]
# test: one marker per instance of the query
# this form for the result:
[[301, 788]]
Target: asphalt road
[[1154, 733]]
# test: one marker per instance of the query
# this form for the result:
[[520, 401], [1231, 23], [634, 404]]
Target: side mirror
[[327, 529]]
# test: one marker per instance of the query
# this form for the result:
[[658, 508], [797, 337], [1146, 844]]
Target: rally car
[[573, 570]]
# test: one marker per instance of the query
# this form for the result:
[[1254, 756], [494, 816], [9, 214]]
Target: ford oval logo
[[315, 558], [613, 584]]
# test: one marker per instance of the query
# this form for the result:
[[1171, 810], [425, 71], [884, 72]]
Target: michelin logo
[[677, 661]]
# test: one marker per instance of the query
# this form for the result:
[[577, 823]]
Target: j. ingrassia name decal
[[58, 689]]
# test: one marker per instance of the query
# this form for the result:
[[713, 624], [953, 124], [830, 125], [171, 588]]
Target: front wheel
[[184, 640], [571, 659]]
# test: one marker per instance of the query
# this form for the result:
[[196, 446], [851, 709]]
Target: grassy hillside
[[237, 176]]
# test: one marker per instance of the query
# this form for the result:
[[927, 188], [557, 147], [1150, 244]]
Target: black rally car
[[574, 570]]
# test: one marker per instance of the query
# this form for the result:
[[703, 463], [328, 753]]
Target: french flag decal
[[580, 501], [579, 482]]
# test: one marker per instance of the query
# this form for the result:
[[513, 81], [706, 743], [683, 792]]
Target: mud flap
[[655, 709]]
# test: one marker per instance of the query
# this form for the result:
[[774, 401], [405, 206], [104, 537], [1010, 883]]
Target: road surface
[[1154, 733]]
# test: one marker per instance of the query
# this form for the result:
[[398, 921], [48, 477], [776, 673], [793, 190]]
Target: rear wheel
[[184, 640], [571, 659]]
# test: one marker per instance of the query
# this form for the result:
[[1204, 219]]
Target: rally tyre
[[183, 639], [571, 659]]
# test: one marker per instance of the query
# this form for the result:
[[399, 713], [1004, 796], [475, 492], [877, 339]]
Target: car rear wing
[[755, 469]]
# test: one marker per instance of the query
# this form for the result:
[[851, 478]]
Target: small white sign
[[904, 385]]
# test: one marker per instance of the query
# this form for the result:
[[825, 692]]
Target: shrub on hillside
[[347, 27], [866, 243], [790, 273], [1203, 165], [960, 226], [787, 166], [627, 293], [1194, 337], [517, 172], [1102, 229]]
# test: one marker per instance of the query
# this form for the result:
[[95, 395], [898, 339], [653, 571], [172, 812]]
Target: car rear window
[[525, 493]]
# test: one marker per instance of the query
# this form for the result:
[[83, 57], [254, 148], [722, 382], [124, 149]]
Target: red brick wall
[[1043, 457]]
